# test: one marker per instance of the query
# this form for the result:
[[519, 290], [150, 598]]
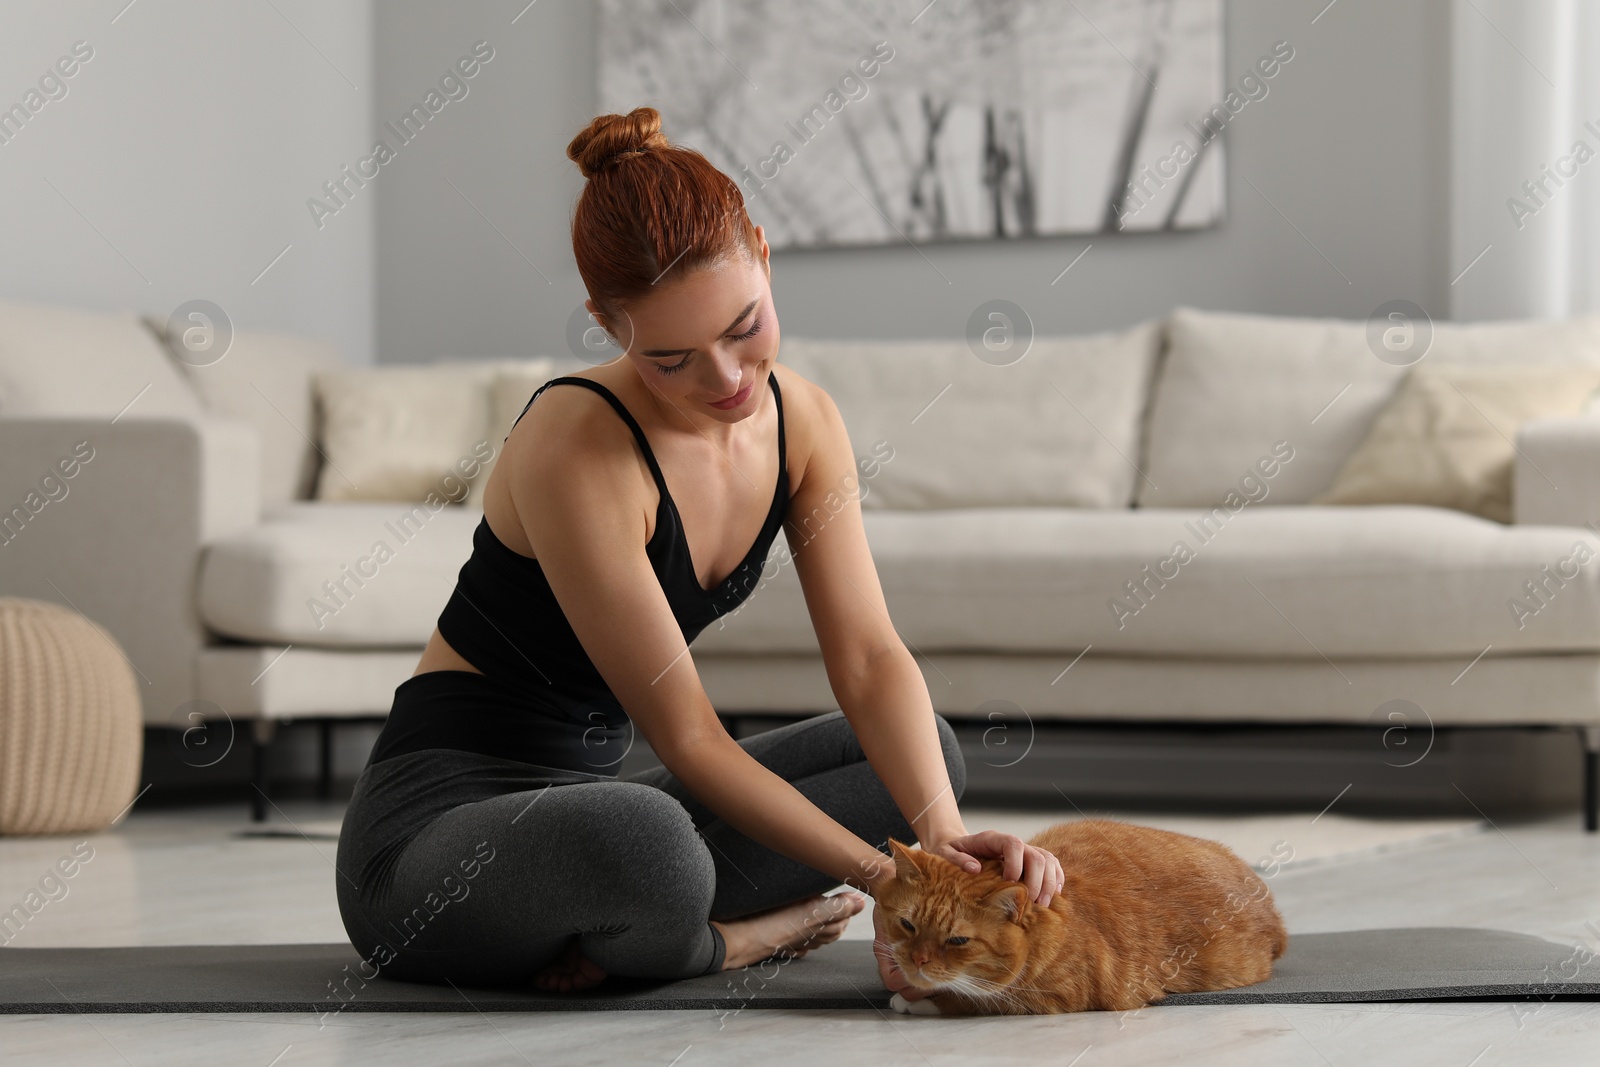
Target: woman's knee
[[646, 840], [954, 762], [638, 814]]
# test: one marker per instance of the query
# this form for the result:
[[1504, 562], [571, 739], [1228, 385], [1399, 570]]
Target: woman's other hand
[[1034, 867]]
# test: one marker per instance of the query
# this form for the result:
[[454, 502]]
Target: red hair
[[650, 206]]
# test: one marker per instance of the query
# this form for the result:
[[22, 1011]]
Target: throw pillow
[[406, 433], [508, 396], [1446, 436]]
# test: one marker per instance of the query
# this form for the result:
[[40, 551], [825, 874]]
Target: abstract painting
[[851, 123]]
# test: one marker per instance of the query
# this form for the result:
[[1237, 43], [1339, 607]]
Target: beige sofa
[[1025, 519]]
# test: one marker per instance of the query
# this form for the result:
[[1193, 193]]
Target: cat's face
[[953, 929]]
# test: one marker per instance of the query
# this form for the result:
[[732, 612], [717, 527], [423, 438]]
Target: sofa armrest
[[109, 519], [1555, 478]]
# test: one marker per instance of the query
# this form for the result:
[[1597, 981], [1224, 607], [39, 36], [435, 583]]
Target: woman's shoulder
[[804, 401], [812, 422], [565, 418], [571, 433]]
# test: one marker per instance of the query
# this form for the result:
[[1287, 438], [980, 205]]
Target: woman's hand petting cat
[[1034, 867]]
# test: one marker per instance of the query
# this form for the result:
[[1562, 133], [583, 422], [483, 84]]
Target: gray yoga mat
[[1434, 963]]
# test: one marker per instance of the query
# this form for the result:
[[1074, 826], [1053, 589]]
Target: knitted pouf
[[71, 728]]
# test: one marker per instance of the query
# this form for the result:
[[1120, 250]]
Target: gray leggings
[[455, 866]]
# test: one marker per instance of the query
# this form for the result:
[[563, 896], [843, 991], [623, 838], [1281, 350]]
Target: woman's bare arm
[[575, 483], [873, 676]]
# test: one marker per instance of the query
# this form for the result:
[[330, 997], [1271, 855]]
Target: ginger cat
[[1143, 913]]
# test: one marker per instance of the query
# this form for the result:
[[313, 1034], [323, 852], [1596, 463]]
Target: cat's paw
[[924, 1006]]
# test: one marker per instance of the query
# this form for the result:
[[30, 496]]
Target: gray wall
[[179, 162], [1350, 145], [192, 140]]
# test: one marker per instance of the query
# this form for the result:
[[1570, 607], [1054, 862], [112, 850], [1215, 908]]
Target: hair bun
[[610, 138]]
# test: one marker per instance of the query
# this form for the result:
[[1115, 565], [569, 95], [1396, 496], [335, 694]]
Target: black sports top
[[505, 620]]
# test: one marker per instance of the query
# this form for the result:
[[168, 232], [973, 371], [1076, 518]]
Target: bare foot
[[572, 971], [789, 929]]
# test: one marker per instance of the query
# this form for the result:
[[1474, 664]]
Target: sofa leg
[[1591, 778], [264, 729], [325, 765]]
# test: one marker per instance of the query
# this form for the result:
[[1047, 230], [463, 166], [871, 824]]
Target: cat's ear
[[905, 865], [1010, 900]]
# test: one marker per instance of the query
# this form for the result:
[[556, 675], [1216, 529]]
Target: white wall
[[1350, 144], [179, 161]]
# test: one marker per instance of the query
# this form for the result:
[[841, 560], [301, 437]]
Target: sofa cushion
[[1232, 385], [336, 575], [265, 379], [57, 360], [264, 681], [940, 428], [1260, 583]]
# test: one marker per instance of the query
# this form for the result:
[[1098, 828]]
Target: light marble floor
[[170, 877]]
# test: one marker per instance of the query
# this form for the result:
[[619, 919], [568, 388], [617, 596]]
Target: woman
[[490, 839]]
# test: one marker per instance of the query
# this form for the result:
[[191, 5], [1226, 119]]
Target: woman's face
[[705, 336]]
